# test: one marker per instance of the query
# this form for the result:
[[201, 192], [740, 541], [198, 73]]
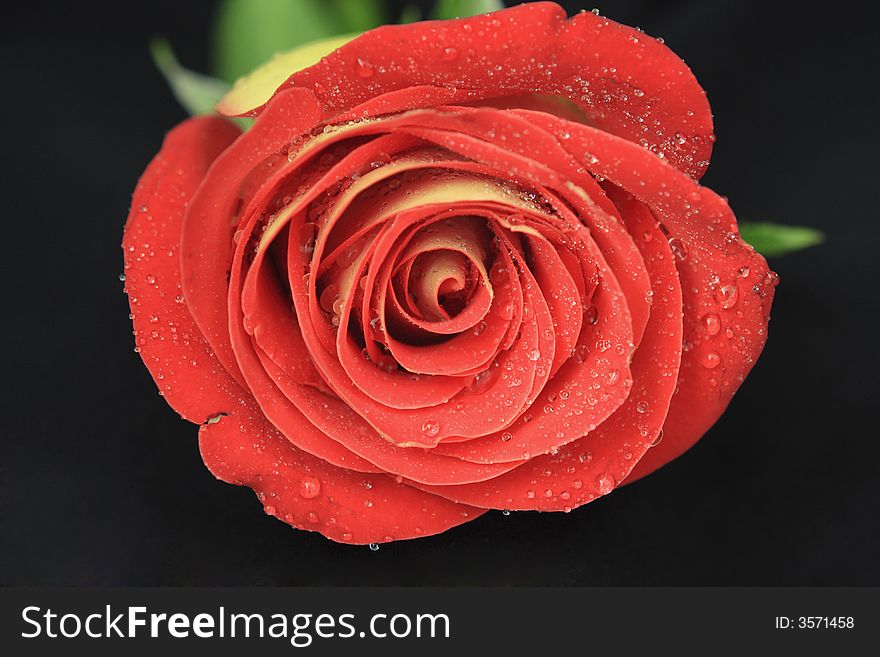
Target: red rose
[[453, 266]]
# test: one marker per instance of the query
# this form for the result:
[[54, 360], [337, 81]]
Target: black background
[[102, 483]]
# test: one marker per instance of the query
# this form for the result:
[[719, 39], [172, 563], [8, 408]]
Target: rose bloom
[[453, 266]]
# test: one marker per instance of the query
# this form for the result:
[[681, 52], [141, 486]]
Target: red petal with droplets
[[182, 363], [349, 507], [622, 80]]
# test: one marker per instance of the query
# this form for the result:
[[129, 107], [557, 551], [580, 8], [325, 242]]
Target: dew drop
[[309, 487], [329, 297], [711, 324], [505, 512], [431, 428], [605, 483], [374, 547], [506, 436], [710, 359], [482, 381], [592, 314], [307, 235], [679, 248], [365, 70], [449, 54], [726, 295]]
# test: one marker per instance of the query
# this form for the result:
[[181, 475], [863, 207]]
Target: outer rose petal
[[177, 355], [721, 276], [624, 81], [308, 493], [206, 240]]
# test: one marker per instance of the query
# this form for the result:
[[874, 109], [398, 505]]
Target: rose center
[[440, 284]]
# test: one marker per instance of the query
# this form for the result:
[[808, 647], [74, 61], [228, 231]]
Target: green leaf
[[197, 93], [356, 15], [460, 8], [775, 239], [410, 14], [248, 32]]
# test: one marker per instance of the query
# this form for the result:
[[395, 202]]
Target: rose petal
[[182, 363], [626, 82], [349, 507]]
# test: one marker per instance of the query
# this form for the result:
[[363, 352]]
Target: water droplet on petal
[[592, 314], [364, 70], [309, 487], [482, 380], [374, 547], [726, 295], [711, 323], [329, 297], [307, 235], [710, 359], [431, 428], [605, 483], [679, 248]]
